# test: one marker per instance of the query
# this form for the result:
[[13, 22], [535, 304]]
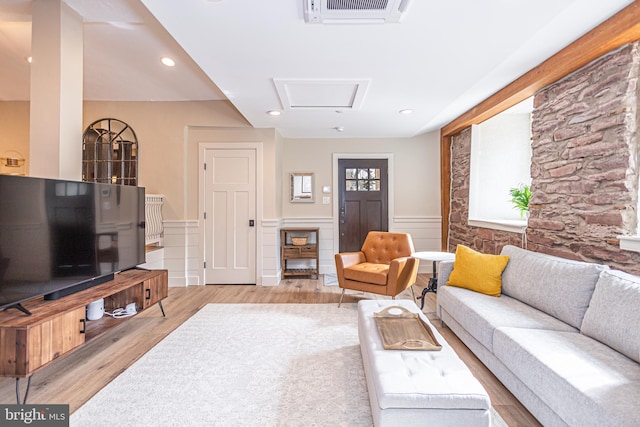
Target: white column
[[56, 91]]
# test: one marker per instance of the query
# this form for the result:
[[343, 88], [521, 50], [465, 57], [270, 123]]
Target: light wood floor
[[75, 378]]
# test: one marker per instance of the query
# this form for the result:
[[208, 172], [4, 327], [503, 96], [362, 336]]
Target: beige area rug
[[244, 365]]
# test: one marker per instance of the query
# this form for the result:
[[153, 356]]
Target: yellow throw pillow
[[477, 271]]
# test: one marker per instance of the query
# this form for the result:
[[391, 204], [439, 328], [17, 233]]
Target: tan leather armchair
[[384, 266]]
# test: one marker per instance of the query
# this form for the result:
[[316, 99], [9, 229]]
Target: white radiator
[[153, 219]]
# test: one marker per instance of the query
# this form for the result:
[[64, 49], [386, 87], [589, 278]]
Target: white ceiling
[[440, 60]]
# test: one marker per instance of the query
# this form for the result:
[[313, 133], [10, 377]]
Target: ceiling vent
[[354, 11]]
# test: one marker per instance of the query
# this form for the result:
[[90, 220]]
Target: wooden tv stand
[[58, 327]]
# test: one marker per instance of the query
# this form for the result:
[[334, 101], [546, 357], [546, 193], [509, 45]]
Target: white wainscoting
[[181, 252], [182, 258], [184, 261], [271, 273], [425, 233], [326, 264], [154, 259]]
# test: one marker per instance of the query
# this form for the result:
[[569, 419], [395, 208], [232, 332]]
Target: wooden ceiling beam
[[619, 30]]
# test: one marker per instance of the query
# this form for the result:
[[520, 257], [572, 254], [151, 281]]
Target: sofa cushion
[[477, 271], [582, 380], [613, 316], [557, 286], [368, 272], [480, 315]]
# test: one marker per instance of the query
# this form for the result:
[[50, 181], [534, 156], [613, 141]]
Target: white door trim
[[336, 190], [257, 146]]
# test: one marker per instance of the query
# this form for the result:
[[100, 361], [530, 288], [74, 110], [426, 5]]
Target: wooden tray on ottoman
[[401, 329]]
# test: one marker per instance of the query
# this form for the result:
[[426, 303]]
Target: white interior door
[[230, 211]]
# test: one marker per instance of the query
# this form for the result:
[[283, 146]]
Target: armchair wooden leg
[[341, 296]]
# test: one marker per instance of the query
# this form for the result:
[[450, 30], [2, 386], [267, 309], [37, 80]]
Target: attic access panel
[[321, 94]]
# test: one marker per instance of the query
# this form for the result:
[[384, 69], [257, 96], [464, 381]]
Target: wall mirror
[[301, 187], [110, 153]]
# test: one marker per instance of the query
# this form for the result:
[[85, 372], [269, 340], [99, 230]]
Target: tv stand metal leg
[[20, 307], [26, 392], [161, 308]]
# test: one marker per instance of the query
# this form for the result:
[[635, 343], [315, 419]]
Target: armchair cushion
[[368, 272]]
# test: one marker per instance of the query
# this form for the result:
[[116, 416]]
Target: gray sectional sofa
[[563, 337]]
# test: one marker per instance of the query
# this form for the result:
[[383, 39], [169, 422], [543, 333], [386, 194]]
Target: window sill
[[513, 226], [630, 243]]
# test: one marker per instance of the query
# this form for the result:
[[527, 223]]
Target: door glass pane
[[363, 185], [363, 173], [374, 185], [374, 173], [351, 185], [351, 173]]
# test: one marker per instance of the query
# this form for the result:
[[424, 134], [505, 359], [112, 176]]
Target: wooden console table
[[58, 327], [291, 251]]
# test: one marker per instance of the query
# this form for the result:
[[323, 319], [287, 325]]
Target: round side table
[[435, 257]]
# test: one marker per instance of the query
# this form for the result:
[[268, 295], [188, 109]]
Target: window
[[362, 179], [500, 160]]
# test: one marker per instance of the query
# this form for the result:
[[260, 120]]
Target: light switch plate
[[326, 200], [326, 189]]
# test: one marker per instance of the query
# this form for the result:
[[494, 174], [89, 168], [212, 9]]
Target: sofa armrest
[[444, 270]]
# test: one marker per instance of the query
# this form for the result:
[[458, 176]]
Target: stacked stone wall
[[584, 168]]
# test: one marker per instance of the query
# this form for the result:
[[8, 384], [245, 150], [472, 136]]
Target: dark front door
[[363, 200]]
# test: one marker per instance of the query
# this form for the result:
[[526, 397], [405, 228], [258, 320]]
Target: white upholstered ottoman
[[417, 388]]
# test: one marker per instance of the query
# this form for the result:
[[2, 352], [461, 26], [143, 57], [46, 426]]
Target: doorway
[[363, 200], [229, 201]]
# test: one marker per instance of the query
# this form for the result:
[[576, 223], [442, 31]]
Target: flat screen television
[[58, 237]]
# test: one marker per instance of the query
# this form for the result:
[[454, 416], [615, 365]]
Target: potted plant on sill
[[520, 197]]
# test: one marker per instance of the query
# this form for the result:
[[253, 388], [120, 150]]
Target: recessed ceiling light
[[274, 112], [29, 59], [168, 61], [406, 111]]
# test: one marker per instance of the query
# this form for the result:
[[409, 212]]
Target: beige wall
[[169, 134], [14, 129], [161, 131], [416, 165], [203, 135]]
